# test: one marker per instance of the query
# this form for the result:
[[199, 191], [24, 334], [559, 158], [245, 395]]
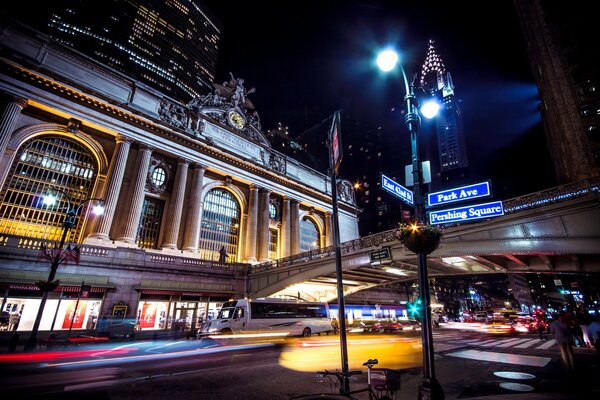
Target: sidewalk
[[475, 380]]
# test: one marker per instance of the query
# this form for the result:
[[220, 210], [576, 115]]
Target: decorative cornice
[[104, 107]]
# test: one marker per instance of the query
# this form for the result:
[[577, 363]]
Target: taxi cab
[[498, 326]]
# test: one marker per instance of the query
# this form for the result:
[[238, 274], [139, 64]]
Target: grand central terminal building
[[193, 194]]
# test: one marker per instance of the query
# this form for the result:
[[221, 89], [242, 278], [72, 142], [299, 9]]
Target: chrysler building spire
[[433, 70]]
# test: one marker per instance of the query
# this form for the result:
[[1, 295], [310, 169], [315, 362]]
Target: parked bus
[[293, 318], [370, 312]]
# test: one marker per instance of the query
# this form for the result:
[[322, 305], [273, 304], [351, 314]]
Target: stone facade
[[152, 162]]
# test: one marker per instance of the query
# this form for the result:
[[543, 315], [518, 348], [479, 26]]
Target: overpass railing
[[553, 195], [538, 199]]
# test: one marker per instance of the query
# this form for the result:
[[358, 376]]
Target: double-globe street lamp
[[387, 61], [70, 221]]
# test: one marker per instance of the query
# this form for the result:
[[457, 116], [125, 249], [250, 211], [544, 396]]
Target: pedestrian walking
[[563, 336]]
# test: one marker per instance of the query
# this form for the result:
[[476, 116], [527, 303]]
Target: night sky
[[307, 59]]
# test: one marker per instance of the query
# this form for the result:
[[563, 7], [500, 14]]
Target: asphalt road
[[257, 375]]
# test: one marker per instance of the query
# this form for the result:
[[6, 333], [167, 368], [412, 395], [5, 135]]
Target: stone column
[[175, 207], [285, 227], [132, 218], [328, 229], [9, 119], [251, 225], [263, 225], [194, 213], [112, 189], [294, 226]]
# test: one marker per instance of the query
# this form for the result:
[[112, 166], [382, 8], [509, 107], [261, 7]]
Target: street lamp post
[[430, 387], [70, 220]]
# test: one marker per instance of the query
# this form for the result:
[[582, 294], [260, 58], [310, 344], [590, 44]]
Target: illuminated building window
[[150, 222], [273, 243], [220, 225], [309, 235], [43, 163], [159, 176]]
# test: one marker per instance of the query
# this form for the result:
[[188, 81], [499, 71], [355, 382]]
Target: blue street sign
[[467, 213], [468, 192], [396, 189]]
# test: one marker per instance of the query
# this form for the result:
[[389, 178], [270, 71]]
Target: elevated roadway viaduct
[[552, 231]]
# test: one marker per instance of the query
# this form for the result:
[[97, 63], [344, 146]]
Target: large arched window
[[309, 235], [44, 163], [220, 225]]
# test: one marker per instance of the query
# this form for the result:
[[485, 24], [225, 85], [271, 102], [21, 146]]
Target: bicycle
[[383, 390]]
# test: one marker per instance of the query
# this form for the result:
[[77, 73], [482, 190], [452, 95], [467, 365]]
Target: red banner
[[148, 317], [79, 316]]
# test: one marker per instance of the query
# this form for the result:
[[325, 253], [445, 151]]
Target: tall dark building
[[171, 45], [563, 52], [449, 162]]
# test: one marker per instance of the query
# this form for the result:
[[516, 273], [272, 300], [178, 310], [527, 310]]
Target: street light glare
[[430, 109], [98, 209], [49, 200], [387, 59]]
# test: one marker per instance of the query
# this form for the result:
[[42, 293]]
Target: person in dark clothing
[[223, 255]]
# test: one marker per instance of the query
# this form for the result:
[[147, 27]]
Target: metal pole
[[430, 387], [338, 271]]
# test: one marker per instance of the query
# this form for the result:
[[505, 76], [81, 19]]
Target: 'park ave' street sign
[[468, 192], [396, 189], [467, 213]]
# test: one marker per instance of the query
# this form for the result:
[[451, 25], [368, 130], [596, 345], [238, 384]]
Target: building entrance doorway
[[185, 316]]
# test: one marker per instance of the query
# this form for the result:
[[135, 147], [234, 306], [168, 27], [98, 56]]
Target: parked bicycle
[[382, 387]]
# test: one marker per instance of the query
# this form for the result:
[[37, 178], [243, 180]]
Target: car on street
[[529, 325], [498, 327]]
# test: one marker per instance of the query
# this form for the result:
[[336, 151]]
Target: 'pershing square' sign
[[467, 213]]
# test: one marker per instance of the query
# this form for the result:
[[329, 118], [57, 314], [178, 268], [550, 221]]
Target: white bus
[[292, 318]]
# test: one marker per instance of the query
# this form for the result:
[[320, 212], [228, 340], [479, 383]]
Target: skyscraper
[[449, 162], [171, 45], [563, 53]]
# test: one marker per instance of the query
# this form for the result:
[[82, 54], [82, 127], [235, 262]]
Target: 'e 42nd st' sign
[[459, 194], [467, 213], [396, 189]]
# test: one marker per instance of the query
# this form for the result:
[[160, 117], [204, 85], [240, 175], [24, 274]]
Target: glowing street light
[[387, 61], [70, 221]]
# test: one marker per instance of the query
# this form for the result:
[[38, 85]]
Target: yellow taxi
[[317, 353]]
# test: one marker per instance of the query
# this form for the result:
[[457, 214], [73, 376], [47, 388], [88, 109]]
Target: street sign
[[468, 192], [467, 213], [425, 172], [396, 189], [381, 255], [557, 282]]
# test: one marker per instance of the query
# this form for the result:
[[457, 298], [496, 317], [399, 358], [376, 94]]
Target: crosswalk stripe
[[527, 343], [533, 361], [480, 343], [512, 342], [547, 345], [495, 343]]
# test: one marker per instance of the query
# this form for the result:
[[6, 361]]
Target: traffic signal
[[414, 308]]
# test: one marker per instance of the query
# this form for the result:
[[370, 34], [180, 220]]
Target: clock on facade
[[236, 119]]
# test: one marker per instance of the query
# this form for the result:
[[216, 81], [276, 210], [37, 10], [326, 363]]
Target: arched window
[[309, 235], [42, 164], [220, 225]]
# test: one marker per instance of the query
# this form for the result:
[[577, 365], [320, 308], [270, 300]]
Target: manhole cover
[[513, 375], [516, 387]]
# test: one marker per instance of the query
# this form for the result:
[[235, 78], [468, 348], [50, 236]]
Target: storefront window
[[58, 314]]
